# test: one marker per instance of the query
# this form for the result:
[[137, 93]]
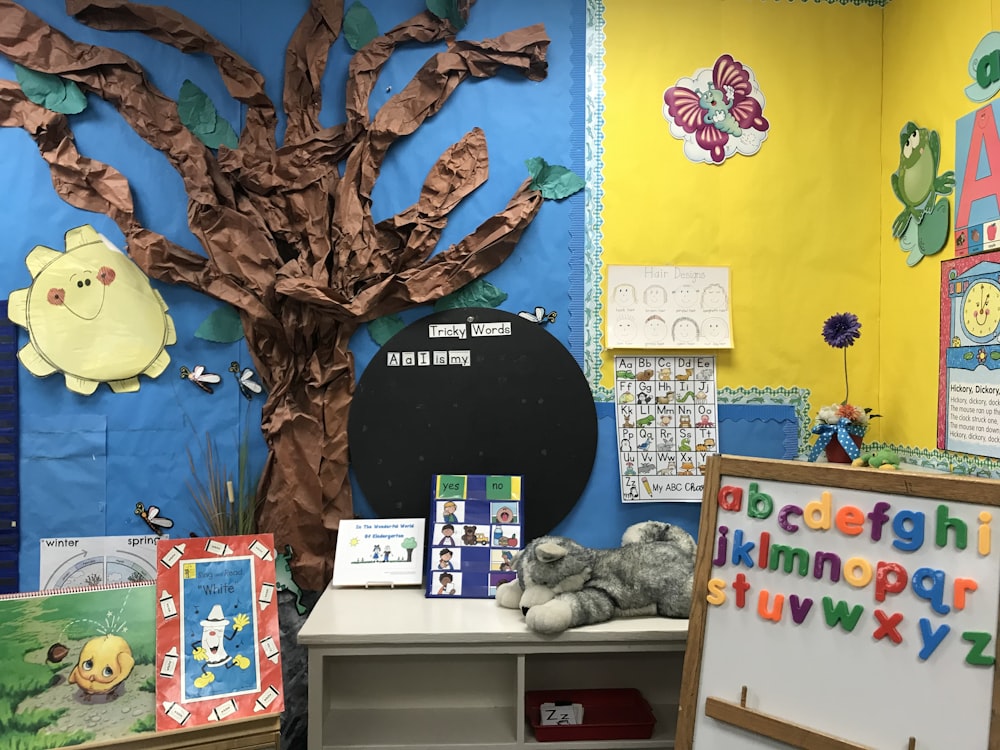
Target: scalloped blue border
[[578, 163], [593, 134]]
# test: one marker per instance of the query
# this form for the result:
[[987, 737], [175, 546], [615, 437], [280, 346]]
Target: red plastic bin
[[608, 714]]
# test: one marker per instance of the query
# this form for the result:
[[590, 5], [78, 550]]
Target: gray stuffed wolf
[[561, 584]]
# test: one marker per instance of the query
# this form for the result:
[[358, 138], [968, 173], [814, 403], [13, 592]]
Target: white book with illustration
[[379, 552]]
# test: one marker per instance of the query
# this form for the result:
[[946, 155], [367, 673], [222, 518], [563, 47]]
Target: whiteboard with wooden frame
[[839, 608]]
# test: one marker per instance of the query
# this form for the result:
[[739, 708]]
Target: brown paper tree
[[287, 240]]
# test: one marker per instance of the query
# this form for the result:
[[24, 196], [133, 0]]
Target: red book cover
[[218, 653]]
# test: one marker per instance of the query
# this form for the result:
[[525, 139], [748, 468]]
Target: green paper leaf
[[200, 117], [535, 166], [478, 293], [223, 326], [555, 182], [52, 92], [384, 328], [359, 26], [447, 9]]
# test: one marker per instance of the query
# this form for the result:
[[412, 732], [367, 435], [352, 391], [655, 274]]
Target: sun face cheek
[[56, 296], [106, 275]]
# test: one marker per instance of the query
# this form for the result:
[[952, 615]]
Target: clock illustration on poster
[[974, 310], [981, 310], [473, 391]]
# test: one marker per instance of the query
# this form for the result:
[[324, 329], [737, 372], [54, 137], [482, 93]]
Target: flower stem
[[847, 385]]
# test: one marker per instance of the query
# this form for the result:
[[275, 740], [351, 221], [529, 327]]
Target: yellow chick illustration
[[105, 662]]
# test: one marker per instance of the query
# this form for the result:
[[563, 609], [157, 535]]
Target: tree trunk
[[305, 489]]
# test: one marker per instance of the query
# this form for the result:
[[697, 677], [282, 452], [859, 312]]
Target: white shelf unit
[[390, 669]]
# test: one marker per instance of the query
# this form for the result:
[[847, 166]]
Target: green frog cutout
[[922, 226], [284, 580]]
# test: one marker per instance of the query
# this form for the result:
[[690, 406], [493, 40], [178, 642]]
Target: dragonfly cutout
[[151, 515], [245, 379], [202, 379], [538, 316]]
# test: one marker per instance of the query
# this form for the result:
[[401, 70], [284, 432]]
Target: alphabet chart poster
[[842, 607], [218, 654], [667, 419], [476, 528], [669, 307]]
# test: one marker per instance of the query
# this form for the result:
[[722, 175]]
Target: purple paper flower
[[841, 330]]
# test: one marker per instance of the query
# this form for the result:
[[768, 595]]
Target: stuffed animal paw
[[509, 594], [554, 616]]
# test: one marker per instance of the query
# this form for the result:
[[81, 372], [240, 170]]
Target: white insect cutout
[[538, 316], [202, 379], [245, 379], [151, 515]]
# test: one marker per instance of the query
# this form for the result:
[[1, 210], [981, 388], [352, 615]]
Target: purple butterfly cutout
[[724, 110]]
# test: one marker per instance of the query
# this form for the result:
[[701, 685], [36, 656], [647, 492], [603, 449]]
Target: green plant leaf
[[359, 26], [555, 182], [384, 328], [200, 117], [478, 293], [223, 326], [52, 92], [447, 9]]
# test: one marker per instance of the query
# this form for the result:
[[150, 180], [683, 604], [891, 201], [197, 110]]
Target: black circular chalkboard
[[513, 402]]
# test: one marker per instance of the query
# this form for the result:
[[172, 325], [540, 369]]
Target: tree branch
[[121, 81], [475, 256], [212, 204], [93, 186], [165, 25], [81, 182], [422, 97], [409, 238], [367, 63], [305, 61]]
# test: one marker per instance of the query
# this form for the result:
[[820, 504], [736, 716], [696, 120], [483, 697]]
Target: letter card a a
[[217, 639]]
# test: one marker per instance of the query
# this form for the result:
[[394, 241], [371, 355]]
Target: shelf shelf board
[[391, 617], [443, 728]]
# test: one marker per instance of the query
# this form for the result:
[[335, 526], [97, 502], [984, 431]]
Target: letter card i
[[217, 639]]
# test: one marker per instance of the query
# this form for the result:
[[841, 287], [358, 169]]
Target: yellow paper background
[[804, 224]]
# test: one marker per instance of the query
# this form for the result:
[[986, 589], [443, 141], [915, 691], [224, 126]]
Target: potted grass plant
[[226, 503]]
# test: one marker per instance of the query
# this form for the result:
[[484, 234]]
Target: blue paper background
[[88, 460]]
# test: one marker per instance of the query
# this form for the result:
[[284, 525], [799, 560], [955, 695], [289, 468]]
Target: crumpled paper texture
[[286, 240]]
